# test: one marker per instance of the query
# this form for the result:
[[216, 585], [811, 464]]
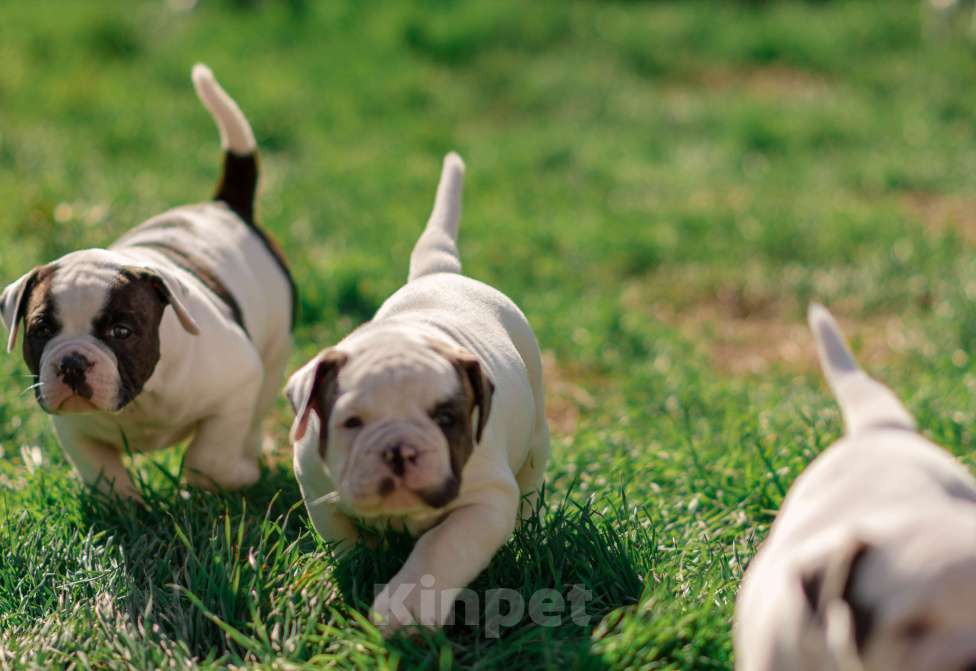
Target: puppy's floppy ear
[[482, 388], [171, 292], [13, 302], [474, 379], [314, 388], [831, 583]]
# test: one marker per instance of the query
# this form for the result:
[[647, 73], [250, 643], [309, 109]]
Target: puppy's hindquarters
[[865, 402], [530, 476], [237, 188], [436, 251]]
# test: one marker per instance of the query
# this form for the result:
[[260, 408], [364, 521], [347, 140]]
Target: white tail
[[436, 251], [235, 132], [864, 402]]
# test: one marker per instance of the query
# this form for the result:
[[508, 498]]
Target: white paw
[[402, 604]]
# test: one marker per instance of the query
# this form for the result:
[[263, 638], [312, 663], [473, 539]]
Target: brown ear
[[169, 289], [473, 378], [13, 301], [314, 388], [482, 389], [834, 580]]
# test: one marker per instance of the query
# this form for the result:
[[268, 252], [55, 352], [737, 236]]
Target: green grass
[[640, 175]]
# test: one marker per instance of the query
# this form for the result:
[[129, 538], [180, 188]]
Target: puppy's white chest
[[149, 423]]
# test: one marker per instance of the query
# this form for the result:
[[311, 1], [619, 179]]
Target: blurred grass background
[[661, 185]]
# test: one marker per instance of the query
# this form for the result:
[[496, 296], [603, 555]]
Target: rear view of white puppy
[[871, 562], [428, 418]]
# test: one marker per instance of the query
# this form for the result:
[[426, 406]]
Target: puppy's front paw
[[402, 604]]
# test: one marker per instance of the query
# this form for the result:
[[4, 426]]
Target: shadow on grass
[[568, 548], [195, 561], [242, 579]]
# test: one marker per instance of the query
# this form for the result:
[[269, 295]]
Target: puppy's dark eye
[[119, 332], [42, 328], [916, 629], [445, 418], [352, 423]]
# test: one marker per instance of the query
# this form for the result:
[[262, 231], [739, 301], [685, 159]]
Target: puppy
[[180, 329], [871, 563], [429, 418]]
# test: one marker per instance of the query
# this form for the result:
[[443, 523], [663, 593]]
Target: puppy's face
[[911, 603], [91, 329], [399, 419]]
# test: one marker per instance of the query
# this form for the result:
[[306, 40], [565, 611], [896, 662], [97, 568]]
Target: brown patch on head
[[941, 212], [40, 314], [453, 415], [128, 324], [453, 418], [318, 394]]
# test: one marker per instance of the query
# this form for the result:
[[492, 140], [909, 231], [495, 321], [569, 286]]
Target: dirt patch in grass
[[750, 334], [773, 81], [940, 212], [565, 397]]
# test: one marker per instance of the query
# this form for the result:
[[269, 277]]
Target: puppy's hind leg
[[274, 374], [533, 471], [222, 454]]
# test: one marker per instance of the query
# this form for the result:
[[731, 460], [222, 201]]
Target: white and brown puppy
[[428, 418], [871, 562], [182, 328]]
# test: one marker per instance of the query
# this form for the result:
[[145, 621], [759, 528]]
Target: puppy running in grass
[[871, 563], [429, 418], [181, 329]]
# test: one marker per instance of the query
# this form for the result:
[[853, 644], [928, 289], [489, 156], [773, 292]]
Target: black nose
[[397, 456], [971, 667], [73, 371]]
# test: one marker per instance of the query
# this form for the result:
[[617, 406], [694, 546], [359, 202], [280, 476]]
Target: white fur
[[235, 132], [214, 387], [214, 382], [392, 377], [436, 251], [884, 487]]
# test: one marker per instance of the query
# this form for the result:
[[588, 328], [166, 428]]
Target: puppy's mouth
[[394, 498], [75, 404], [440, 497]]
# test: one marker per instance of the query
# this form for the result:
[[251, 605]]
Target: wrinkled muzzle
[[77, 375], [398, 465]]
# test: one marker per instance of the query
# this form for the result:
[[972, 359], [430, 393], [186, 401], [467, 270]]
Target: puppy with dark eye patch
[[428, 418], [181, 329], [871, 562]]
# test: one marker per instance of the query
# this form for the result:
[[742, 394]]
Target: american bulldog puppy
[[871, 562], [181, 329], [428, 418]]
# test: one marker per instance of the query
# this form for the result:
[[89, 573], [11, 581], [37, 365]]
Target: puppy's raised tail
[[865, 402], [239, 180], [436, 251]]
